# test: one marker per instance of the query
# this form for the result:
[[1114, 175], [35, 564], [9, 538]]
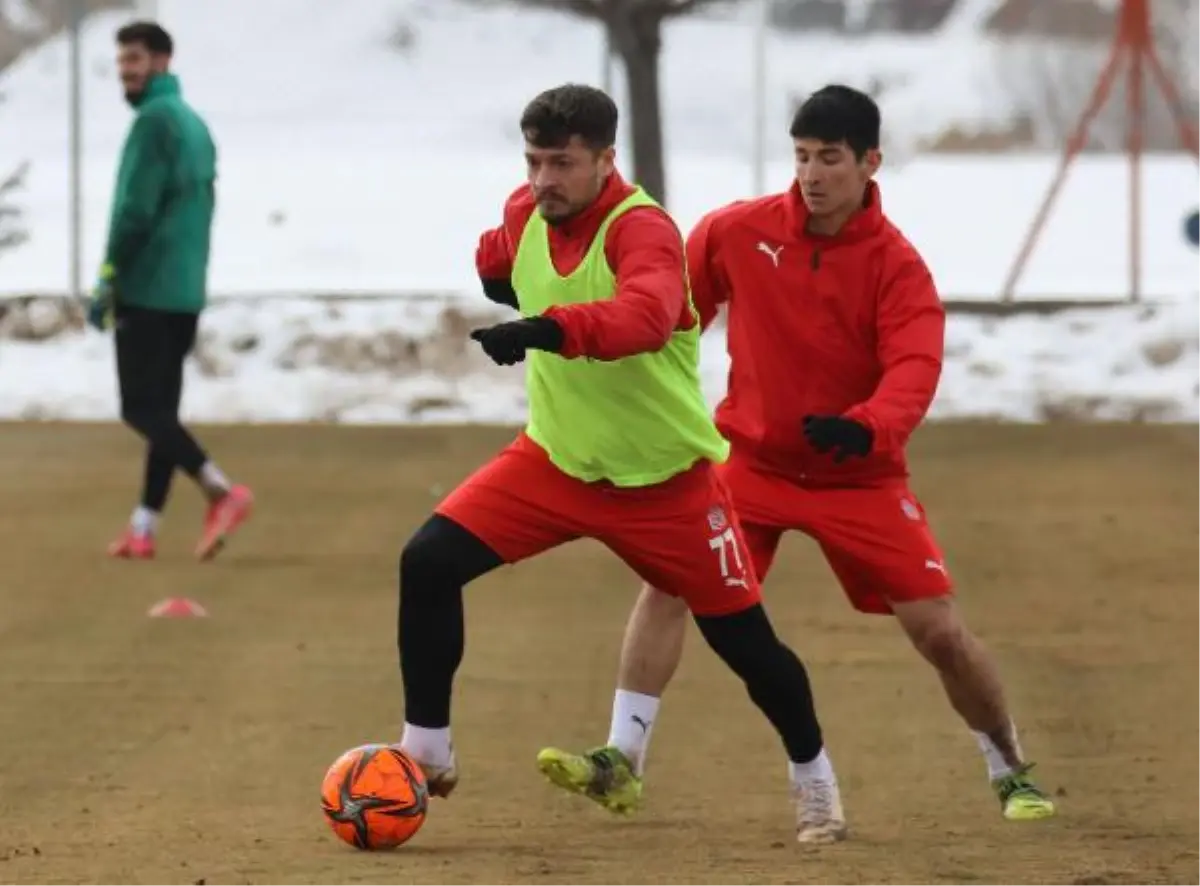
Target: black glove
[[506, 343], [500, 291], [843, 436]]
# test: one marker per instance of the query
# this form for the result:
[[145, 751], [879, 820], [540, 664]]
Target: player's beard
[[556, 216], [134, 89], [572, 209]]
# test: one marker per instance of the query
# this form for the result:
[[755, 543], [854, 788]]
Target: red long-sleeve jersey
[[645, 251], [845, 325]]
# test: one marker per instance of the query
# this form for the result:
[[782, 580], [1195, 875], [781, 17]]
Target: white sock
[[143, 521], [820, 768], [211, 477], [632, 722], [997, 766], [431, 746]]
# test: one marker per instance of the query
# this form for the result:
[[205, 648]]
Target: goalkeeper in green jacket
[[152, 286]]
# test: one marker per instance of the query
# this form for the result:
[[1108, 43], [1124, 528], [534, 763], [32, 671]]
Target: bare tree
[[635, 31], [12, 233], [25, 24]]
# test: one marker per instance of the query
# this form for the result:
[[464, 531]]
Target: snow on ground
[[388, 361], [1128, 363]]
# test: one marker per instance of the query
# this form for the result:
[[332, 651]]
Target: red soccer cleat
[[131, 546], [224, 516]]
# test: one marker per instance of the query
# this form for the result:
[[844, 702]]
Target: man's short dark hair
[[551, 119], [837, 113], [150, 34]]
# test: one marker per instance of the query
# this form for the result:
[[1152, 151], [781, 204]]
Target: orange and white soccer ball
[[375, 797]]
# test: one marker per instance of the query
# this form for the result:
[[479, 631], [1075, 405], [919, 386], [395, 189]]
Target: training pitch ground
[[163, 751]]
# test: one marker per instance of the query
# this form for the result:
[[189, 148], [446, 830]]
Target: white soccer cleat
[[819, 815]]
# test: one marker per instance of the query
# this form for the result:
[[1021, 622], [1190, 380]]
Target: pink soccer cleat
[[224, 516], [131, 546]]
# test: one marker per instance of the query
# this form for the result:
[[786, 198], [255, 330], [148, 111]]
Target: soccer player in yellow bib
[[619, 447]]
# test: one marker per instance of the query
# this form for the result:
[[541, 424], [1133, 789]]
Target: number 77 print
[[725, 543]]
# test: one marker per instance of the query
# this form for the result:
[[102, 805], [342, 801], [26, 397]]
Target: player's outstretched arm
[[911, 327], [645, 251]]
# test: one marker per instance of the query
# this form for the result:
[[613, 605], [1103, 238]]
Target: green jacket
[[162, 213]]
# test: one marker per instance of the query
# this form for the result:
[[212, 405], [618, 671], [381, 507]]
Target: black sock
[[156, 482], [774, 677], [438, 561]]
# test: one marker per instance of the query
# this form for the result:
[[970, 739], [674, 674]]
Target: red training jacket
[[845, 325], [645, 252]]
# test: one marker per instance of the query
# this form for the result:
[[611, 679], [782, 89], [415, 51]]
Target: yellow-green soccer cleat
[[1020, 798], [604, 775]]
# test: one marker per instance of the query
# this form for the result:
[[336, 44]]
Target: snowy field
[[346, 170]]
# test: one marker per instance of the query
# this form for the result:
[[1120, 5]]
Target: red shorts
[[680, 536], [876, 540]]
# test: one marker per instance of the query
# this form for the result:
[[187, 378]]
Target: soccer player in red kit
[[835, 337], [619, 445]]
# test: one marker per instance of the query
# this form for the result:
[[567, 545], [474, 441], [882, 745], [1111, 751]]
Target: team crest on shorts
[[716, 518], [910, 509]]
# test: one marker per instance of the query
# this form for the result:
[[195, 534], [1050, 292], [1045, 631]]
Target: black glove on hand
[[500, 291], [843, 436], [506, 343]]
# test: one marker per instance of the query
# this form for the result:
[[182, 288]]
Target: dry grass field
[[143, 750]]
